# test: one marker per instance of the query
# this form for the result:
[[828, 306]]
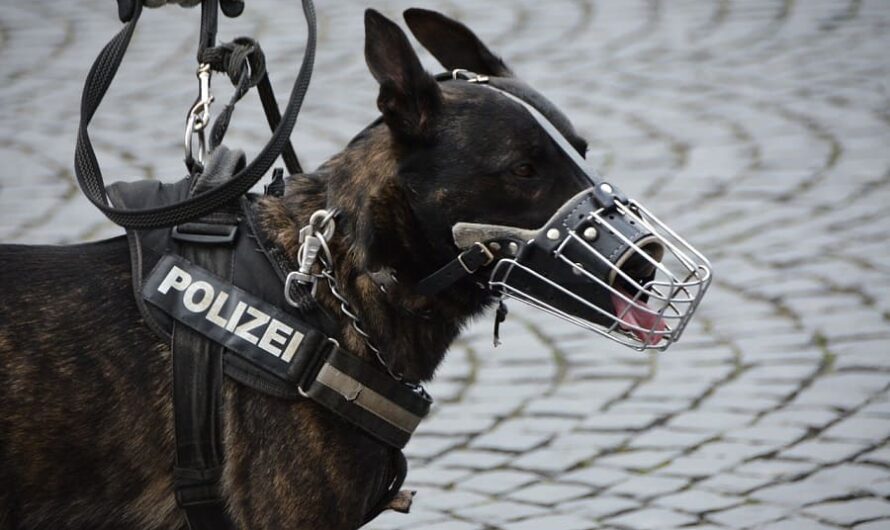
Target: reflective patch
[[225, 314]]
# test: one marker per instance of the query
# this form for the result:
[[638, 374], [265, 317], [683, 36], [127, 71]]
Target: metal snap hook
[[199, 116]]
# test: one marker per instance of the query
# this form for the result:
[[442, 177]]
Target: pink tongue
[[639, 316]]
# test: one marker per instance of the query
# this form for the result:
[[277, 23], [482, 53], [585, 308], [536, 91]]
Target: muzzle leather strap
[[464, 265]]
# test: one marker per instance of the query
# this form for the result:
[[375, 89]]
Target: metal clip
[[199, 116], [308, 254], [313, 241]]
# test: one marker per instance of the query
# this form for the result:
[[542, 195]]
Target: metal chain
[[347, 310], [327, 273]]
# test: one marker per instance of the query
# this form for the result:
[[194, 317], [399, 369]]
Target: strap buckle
[[205, 233], [312, 367], [489, 257]]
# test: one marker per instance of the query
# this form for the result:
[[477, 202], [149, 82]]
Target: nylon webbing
[[89, 175]]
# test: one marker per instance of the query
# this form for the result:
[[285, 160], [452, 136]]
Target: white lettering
[[236, 316], [188, 298], [292, 347], [276, 332], [177, 279], [213, 314], [259, 319]]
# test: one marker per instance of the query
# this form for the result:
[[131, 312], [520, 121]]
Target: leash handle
[[101, 74]]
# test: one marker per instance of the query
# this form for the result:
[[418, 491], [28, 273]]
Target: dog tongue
[[639, 316]]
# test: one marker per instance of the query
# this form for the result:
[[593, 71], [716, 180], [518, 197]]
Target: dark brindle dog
[[86, 429]]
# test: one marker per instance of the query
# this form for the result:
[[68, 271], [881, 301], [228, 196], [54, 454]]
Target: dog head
[[463, 153]]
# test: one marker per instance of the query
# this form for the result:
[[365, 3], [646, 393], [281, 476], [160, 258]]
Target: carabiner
[[199, 116]]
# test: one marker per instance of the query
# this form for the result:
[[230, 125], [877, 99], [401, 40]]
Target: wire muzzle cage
[[619, 271]]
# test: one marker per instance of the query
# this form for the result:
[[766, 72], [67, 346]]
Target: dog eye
[[524, 170]]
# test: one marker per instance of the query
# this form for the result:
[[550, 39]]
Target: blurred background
[[759, 129]]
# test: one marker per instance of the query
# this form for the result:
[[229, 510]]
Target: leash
[[102, 73]]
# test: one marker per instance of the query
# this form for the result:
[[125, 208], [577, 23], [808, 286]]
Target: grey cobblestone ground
[[759, 128]]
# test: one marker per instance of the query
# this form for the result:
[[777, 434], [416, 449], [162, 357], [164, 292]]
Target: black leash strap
[[86, 166], [244, 62]]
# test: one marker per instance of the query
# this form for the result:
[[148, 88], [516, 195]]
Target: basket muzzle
[[602, 261], [607, 264]]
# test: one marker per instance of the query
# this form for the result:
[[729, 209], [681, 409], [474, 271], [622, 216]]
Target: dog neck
[[377, 234]]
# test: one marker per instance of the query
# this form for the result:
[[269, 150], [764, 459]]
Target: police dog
[[86, 426]]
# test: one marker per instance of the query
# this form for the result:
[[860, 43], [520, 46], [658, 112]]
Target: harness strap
[[197, 406], [275, 352], [198, 364]]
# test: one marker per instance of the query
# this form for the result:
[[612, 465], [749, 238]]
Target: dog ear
[[453, 44], [409, 95]]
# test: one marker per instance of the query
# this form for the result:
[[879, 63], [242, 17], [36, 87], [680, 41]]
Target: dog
[[86, 413]]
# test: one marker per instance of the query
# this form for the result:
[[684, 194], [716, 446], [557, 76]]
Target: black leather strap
[[464, 265]]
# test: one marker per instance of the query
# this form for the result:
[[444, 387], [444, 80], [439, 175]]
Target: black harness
[[207, 279], [214, 288]]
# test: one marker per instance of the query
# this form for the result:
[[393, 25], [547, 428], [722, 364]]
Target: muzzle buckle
[[489, 257]]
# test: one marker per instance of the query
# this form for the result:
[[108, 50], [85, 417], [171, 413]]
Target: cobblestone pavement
[[760, 129]]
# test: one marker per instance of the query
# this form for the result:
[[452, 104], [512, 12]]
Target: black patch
[[252, 326]]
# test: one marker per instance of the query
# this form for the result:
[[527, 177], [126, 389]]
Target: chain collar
[[314, 248]]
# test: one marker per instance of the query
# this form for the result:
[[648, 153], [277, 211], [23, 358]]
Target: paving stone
[[695, 466], [619, 421], [849, 475], [709, 421], [823, 451], [497, 482], [767, 434], [652, 518], [880, 524], [799, 493], [881, 455], [549, 494], [502, 511], [697, 501], [859, 429], [509, 440], [436, 476], [775, 468], [553, 459], [662, 437], [428, 446], [443, 425], [473, 459], [643, 487], [600, 506], [852, 511], [734, 484], [799, 523], [563, 522], [596, 476], [636, 460], [448, 500], [453, 525], [800, 416], [749, 515]]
